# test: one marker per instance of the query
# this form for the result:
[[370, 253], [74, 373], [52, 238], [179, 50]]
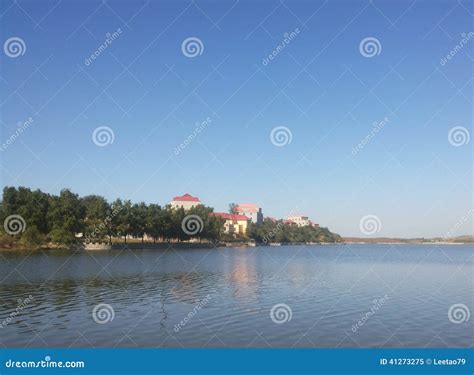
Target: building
[[250, 210], [233, 223], [300, 220], [185, 201], [313, 224]]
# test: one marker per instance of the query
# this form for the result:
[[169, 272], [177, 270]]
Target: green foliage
[[66, 217], [33, 205], [32, 237], [277, 231], [58, 220], [96, 211]]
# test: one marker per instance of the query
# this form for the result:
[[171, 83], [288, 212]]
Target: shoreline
[[190, 246]]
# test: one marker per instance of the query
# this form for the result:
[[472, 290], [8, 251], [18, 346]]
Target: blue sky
[[319, 86]]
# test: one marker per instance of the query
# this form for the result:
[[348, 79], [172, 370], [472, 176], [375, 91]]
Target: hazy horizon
[[375, 122]]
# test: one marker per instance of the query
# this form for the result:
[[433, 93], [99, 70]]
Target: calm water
[[230, 294]]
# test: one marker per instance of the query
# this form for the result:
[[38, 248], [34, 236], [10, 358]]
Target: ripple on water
[[329, 289]]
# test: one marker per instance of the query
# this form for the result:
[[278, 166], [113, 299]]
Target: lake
[[287, 296]]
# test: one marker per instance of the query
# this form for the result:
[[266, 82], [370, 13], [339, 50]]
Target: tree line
[[271, 231], [68, 219]]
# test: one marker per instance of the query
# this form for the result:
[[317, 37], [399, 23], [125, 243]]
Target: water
[[400, 293]]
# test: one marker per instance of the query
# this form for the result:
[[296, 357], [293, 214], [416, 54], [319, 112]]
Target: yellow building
[[233, 223]]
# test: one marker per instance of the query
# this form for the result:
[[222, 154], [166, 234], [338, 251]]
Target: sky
[[358, 119]]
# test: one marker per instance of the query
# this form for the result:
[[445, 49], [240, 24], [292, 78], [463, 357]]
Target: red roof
[[246, 207], [186, 198], [229, 216]]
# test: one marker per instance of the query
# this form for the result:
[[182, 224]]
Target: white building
[[185, 201], [250, 210], [300, 220]]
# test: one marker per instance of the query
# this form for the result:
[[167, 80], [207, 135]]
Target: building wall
[[301, 221], [255, 217], [239, 226], [184, 204]]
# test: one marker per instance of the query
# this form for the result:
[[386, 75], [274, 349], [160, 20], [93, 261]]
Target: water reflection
[[328, 288]]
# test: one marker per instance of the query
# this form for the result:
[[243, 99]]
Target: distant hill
[[458, 239]]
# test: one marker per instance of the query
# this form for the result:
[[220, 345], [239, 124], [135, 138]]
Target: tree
[[96, 209], [154, 222], [112, 220], [124, 221], [32, 237], [66, 217], [31, 206], [138, 221]]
